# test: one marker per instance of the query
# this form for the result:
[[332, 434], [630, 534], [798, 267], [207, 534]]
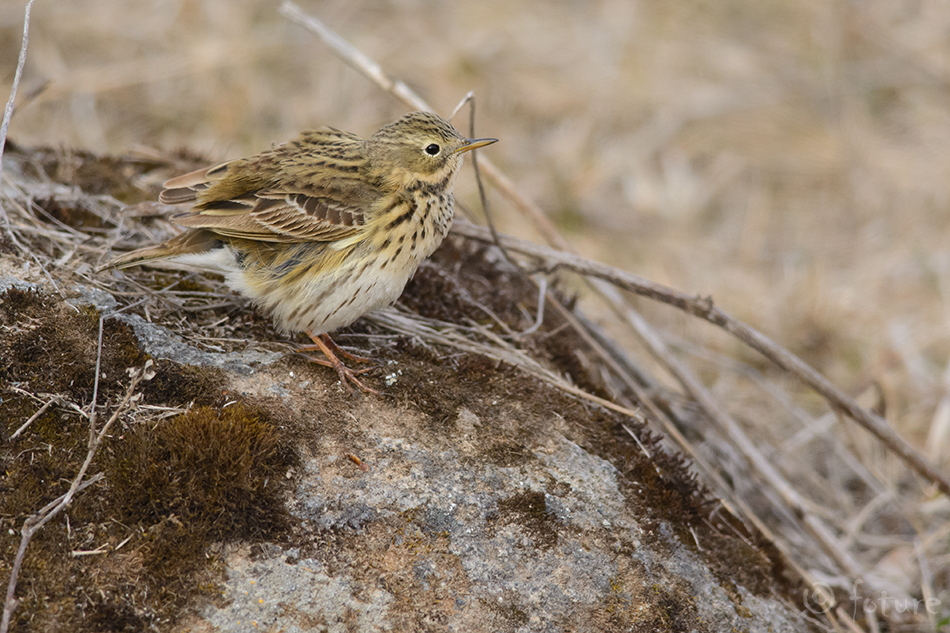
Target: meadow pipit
[[323, 229]]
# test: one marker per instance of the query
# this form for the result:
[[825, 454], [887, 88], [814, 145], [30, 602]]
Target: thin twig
[[95, 386], [21, 62], [729, 498], [8, 112], [550, 260], [352, 56], [35, 416]]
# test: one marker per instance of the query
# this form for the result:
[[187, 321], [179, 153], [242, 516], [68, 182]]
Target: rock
[[245, 490]]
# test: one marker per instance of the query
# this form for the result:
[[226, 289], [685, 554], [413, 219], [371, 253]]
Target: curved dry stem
[[549, 260]]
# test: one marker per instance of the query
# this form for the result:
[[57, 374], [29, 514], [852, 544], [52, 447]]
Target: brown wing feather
[[252, 198], [187, 243], [185, 188], [281, 220]]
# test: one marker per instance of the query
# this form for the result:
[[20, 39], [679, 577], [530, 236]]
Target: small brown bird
[[324, 229]]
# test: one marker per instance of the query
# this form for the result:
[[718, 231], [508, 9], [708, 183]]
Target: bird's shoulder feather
[[310, 189]]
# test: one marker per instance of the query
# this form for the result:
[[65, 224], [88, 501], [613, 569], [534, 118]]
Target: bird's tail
[[193, 242]]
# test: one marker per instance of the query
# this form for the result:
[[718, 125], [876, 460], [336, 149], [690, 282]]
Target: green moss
[[207, 476], [169, 492], [15, 301], [203, 477], [52, 347], [529, 511], [183, 384], [217, 471], [38, 465]]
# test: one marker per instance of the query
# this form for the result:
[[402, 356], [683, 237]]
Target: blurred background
[[790, 158]]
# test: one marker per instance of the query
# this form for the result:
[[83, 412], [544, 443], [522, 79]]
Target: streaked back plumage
[[326, 227]]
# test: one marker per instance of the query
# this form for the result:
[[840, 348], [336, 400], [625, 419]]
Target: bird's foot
[[323, 343]]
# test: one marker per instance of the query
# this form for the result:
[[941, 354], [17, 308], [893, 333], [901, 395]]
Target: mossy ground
[[132, 551], [140, 548], [137, 549]]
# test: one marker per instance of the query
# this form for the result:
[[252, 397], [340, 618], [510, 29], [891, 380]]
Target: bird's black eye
[[433, 149]]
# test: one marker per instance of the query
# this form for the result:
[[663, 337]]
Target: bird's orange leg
[[323, 343], [339, 351]]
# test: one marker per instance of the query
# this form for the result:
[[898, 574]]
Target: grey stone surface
[[439, 517]]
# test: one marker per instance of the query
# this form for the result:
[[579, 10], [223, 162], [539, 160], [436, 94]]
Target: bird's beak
[[475, 143]]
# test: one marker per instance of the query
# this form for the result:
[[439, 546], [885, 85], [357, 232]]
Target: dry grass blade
[[452, 336]]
